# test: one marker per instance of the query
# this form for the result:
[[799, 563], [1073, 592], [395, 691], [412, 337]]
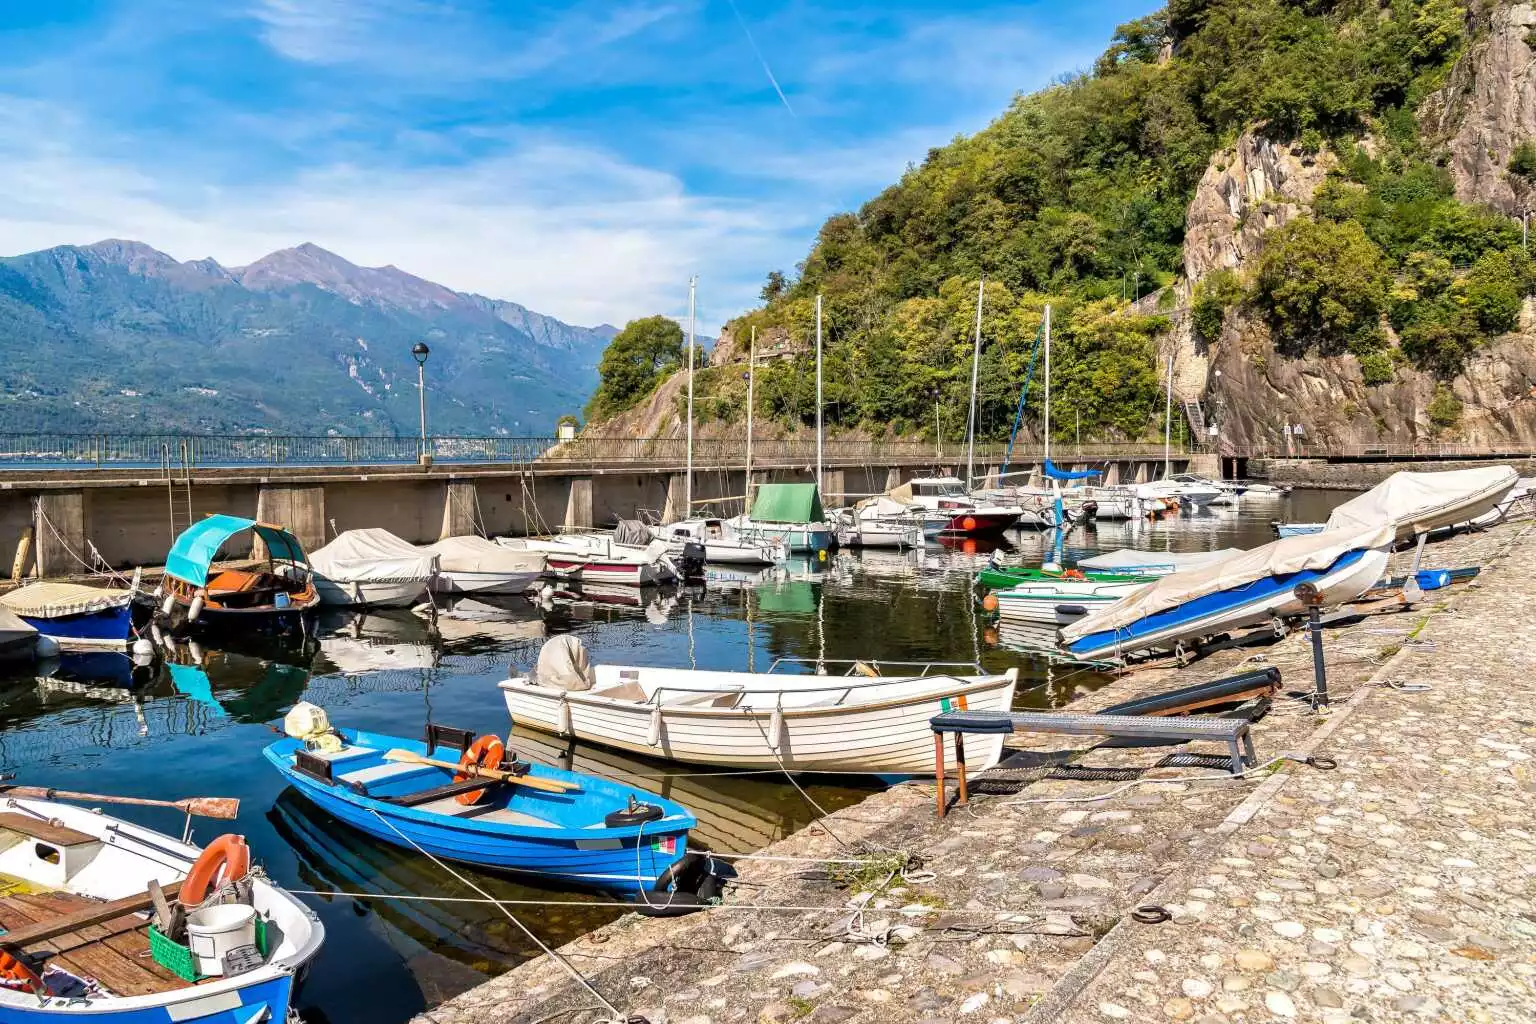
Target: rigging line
[[760, 58], [574, 973], [1003, 912]]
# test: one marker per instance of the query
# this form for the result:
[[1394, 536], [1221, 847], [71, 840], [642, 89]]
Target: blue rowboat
[[74, 615], [601, 835], [62, 861]]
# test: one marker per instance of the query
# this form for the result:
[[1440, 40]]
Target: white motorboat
[[77, 874], [1191, 494], [1414, 503], [968, 513], [860, 722], [787, 514], [1059, 602], [372, 568], [1254, 587], [722, 545], [474, 565], [598, 557]]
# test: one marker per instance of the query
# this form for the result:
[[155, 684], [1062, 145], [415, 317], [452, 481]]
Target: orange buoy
[[485, 752], [226, 859], [989, 603], [969, 523], [14, 970]]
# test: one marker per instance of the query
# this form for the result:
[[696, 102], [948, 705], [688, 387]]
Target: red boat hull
[[981, 522]]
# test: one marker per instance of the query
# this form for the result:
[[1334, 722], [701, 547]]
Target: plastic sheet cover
[[1411, 502], [362, 556], [476, 554]]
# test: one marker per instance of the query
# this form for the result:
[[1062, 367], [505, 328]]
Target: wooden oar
[[532, 782], [222, 807]]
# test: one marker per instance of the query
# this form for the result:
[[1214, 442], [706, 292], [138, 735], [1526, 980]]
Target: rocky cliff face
[[1488, 107]]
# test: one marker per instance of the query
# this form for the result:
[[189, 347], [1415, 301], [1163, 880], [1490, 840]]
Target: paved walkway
[[1401, 886]]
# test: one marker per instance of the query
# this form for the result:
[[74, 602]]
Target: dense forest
[[1077, 195]]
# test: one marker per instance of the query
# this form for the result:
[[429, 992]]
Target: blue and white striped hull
[[265, 1002], [104, 629]]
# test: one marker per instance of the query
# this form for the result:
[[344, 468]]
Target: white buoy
[[776, 729], [47, 647], [167, 604], [196, 652], [653, 734], [144, 649], [195, 610], [563, 726]]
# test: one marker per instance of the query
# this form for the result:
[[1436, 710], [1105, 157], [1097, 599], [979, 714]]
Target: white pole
[[1168, 424], [751, 379], [688, 484], [970, 423], [818, 396]]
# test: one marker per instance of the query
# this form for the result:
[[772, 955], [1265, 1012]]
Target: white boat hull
[[1059, 610], [372, 594], [889, 736]]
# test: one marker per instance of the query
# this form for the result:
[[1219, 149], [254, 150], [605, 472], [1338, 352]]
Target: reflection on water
[[194, 724]]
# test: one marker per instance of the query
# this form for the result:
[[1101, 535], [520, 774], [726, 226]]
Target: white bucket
[[214, 931]]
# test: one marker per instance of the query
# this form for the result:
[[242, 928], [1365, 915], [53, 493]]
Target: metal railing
[[214, 451], [1427, 450]]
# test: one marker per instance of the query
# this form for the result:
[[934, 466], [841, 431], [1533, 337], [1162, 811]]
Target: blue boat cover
[[1055, 473], [197, 546]]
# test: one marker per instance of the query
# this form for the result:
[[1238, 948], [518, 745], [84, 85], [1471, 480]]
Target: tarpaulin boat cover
[[787, 503], [195, 549], [1055, 473], [363, 556], [1293, 554], [563, 665], [1414, 502], [476, 554], [1130, 558], [883, 506], [56, 600]]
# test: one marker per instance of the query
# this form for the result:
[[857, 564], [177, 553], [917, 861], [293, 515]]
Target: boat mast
[[970, 440], [818, 396], [746, 501], [1047, 384], [688, 485], [1168, 424]]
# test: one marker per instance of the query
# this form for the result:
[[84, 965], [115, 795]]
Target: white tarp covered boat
[[882, 522], [74, 615], [474, 565], [1413, 503], [1153, 563], [1250, 588], [757, 720], [598, 557], [372, 569]]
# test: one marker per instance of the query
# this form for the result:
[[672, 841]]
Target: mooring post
[[1310, 596]]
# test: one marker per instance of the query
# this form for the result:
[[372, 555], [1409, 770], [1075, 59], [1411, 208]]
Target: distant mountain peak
[[128, 252], [308, 263]]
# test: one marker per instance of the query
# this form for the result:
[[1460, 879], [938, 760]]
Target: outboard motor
[[1090, 510], [690, 563]]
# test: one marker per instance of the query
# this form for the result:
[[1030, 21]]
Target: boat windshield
[[939, 489]]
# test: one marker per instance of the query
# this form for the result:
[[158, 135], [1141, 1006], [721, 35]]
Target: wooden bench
[[1233, 731], [49, 832]]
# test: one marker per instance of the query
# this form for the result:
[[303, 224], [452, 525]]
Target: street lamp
[[938, 434], [420, 351]]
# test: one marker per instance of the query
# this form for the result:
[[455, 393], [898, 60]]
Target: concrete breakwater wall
[[79, 519], [1359, 476]]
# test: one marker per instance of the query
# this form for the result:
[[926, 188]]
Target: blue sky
[[582, 158]]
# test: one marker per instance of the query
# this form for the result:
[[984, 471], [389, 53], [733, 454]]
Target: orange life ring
[[968, 523], [485, 752], [1072, 574], [226, 859], [13, 969]]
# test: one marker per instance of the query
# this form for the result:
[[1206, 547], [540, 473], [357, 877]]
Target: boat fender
[[485, 752], [776, 729], [227, 859], [195, 610], [167, 604], [157, 636], [27, 979], [195, 652], [143, 648], [634, 814], [564, 726], [653, 734]]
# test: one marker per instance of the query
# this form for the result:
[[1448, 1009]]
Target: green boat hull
[[1003, 578]]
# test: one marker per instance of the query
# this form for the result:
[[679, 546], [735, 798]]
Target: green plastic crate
[[178, 959]]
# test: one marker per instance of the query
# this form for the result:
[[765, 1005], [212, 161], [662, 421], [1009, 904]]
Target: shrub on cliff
[[1219, 292], [1323, 285]]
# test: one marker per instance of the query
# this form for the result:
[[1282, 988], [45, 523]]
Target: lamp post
[[938, 431], [420, 351]]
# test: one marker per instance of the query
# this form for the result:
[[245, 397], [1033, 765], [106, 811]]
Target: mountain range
[[120, 337]]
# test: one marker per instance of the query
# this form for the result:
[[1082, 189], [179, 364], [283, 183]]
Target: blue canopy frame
[[1054, 473], [194, 551]]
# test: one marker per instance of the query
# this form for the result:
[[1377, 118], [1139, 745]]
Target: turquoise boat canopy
[[197, 546], [787, 503]]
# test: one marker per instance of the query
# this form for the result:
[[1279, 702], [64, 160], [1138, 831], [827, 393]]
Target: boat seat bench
[[1235, 732]]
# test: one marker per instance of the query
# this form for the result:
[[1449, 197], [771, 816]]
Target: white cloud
[[569, 231]]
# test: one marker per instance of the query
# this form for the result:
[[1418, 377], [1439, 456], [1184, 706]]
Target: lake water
[[197, 728]]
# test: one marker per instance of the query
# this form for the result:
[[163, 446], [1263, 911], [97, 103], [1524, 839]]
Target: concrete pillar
[[60, 530], [460, 518], [836, 491], [301, 510], [1141, 472], [1206, 464], [578, 503], [1112, 475], [893, 478], [676, 505]]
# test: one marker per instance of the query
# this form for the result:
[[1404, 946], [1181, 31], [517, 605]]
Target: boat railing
[[853, 665], [841, 686]]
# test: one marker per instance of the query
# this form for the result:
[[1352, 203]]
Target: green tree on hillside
[[638, 358], [1322, 285]]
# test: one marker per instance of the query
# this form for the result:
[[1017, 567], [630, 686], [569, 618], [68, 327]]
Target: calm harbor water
[[197, 728]]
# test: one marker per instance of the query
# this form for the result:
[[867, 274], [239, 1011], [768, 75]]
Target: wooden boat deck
[[114, 952]]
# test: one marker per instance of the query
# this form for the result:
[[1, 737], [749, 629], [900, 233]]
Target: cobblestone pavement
[[1395, 887]]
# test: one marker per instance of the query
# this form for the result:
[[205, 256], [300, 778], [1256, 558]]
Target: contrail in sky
[[760, 58]]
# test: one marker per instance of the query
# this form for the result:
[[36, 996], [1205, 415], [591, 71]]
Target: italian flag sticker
[[667, 845]]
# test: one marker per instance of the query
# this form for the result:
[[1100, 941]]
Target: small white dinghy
[[79, 946], [371, 569], [859, 722], [598, 557], [474, 565], [722, 544]]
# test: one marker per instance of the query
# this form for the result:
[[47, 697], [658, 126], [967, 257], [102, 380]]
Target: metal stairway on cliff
[[1196, 416]]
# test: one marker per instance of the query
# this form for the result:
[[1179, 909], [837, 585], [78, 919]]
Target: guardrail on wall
[[211, 451], [1427, 450]]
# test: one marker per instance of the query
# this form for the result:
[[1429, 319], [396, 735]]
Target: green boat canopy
[[787, 503], [198, 545]]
